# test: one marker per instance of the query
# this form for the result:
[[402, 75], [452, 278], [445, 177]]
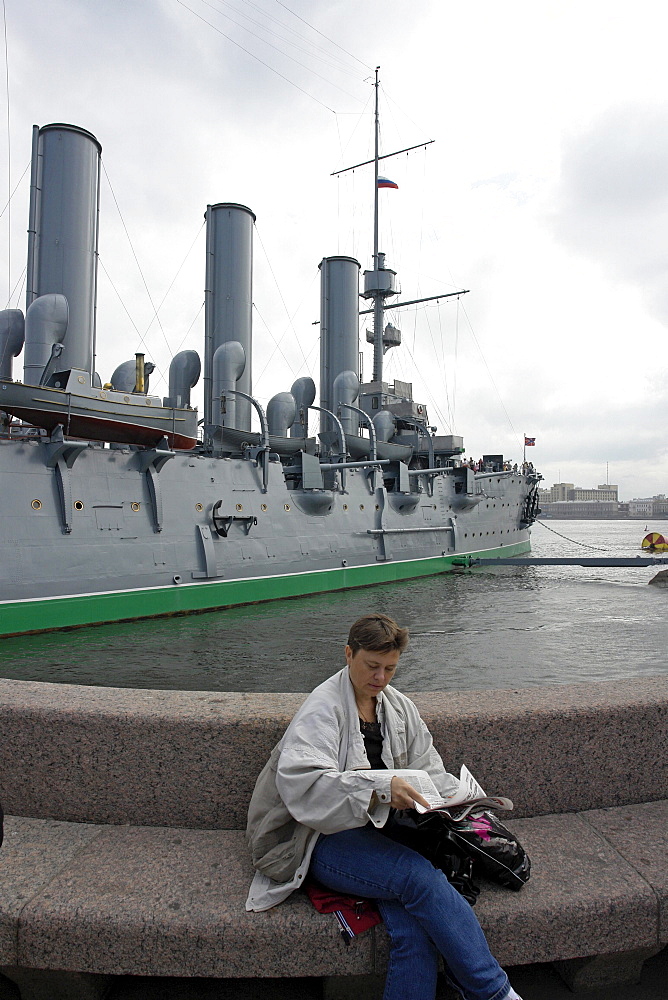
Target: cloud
[[611, 204]]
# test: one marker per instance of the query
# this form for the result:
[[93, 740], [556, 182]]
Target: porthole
[[240, 506], [135, 506], [263, 506], [361, 506], [147, 401], [345, 506], [78, 505], [81, 379], [198, 506], [103, 395], [126, 399], [378, 507], [286, 506], [36, 505]]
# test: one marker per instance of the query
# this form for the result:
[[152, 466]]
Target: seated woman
[[320, 807]]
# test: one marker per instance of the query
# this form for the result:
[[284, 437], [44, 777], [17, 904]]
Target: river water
[[505, 627]]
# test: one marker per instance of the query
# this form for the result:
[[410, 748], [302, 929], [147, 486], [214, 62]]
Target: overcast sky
[[545, 193]]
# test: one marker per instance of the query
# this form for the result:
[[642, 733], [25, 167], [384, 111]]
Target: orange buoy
[[655, 542]]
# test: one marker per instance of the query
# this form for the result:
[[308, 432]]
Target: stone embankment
[[125, 854]]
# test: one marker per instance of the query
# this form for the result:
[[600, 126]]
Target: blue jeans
[[423, 914]]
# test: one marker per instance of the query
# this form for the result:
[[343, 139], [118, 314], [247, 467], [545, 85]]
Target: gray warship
[[118, 504]]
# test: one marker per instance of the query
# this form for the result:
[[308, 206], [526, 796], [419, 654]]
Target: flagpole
[[524, 460]]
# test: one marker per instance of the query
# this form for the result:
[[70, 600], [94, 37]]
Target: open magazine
[[468, 795]]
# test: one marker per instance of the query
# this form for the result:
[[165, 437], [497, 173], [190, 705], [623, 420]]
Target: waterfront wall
[[190, 759]]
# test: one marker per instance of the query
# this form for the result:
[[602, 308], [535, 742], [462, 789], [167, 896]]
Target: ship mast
[[380, 282], [376, 293]]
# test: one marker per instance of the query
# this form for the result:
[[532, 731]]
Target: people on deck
[[322, 809]]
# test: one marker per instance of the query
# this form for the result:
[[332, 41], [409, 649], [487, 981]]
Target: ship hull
[[43, 615], [113, 538]]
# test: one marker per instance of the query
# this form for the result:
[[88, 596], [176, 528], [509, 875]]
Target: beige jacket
[[315, 783]]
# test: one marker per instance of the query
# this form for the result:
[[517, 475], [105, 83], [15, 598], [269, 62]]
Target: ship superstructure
[[114, 509]]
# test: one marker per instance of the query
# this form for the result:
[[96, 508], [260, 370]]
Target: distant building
[[567, 491], [649, 507], [581, 509], [601, 502]]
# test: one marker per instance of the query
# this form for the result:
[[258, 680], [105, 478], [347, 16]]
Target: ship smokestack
[[339, 326], [228, 299], [63, 232]]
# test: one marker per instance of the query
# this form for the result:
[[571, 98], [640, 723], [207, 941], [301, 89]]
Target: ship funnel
[[281, 411], [229, 363], [228, 300], [184, 373], [63, 231], [12, 337], [304, 392], [346, 389], [339, 326], [47, 322]]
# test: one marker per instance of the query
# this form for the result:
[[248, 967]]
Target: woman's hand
[[404, 795]]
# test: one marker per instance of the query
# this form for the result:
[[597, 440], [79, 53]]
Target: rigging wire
[[9, 154], [454, 373], [331, 40], [257, 58], [195, 318], [313, 51], [316, 48], [178, 271], [19, 281], [287, 313], [484, 361], [16, 187], [127, 311], [22, 280], [432, 399], [150, 297], [271, 45], [277, 347], [398, 106], [277, 343]]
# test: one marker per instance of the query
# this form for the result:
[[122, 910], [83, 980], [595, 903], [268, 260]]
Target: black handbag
[[494, 850], [432, 841], [477, 844]]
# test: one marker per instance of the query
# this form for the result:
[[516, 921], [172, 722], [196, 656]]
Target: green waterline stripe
[[45, 614]]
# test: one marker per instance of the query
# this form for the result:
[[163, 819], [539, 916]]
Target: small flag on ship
[[385, 182], [528, 442]]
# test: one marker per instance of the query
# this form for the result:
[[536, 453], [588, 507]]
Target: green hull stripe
[[42, 615]]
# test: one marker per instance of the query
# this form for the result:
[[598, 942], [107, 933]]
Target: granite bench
[[122, 856]]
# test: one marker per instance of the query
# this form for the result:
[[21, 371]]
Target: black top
[[373, 744]]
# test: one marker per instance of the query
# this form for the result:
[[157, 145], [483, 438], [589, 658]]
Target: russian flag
[[529, 441], [385, 182]]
